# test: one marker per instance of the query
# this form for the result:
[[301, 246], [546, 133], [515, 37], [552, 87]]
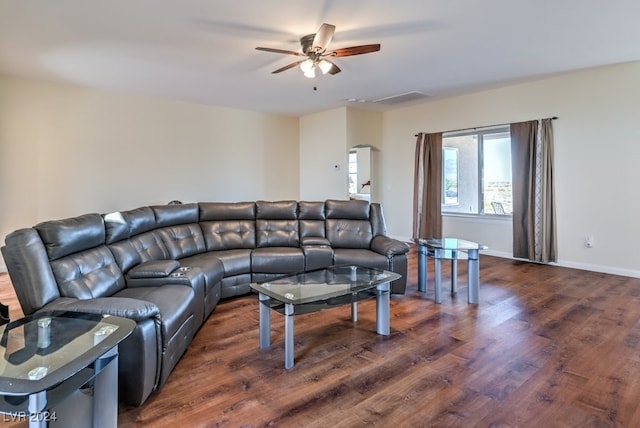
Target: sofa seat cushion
[[174, 301], [277, 260], [365, 258], [235, 262]]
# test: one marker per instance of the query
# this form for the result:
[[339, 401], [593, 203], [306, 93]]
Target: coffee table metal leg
[[473, 277], [438, 276], [354, 311], [288, 335], [382, 309], [422, 268], [454, 272], [265, 321]]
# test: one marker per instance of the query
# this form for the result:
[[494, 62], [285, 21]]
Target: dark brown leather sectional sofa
[[166, 267]]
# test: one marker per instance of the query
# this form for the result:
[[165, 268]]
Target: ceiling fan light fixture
[[325, 66], [311, 73], [306, 66]]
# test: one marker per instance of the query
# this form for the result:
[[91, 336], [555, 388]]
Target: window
[[477, 172], [450, 175]]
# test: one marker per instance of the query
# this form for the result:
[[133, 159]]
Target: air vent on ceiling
[[403, 98]]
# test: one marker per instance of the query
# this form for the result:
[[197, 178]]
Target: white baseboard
[[602, 269], [575, 265]]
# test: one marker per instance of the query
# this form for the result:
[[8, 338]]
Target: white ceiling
[[203, 51]]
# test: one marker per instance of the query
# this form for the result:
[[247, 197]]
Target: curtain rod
[[481, 127]]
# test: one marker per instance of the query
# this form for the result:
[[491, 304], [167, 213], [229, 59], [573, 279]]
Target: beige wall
[[364, 127], [597, 153], [325, 140], [66, 150]]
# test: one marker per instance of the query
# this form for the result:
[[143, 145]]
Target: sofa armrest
[[183, 275], [133, 309], [154, 269], [388, 246], [314, 240]]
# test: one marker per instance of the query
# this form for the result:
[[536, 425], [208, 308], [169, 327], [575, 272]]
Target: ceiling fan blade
[[334, 68], [323, 37], [354, 50], [282, 51], [286, 67]]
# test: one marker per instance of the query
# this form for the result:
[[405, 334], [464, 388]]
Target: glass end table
[[452, 249], [48, 356]]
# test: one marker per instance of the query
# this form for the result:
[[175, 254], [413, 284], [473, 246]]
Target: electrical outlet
[[588, 241]]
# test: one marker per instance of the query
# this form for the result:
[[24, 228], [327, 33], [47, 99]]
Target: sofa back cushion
[[221, 211], [228, 225], [377, 220], [70, 235], [150, 246], [28, 264], [138, 249], [348, 224], [81, 263], [229, 234], [277, 210], [170, 215], [183, 240], [124, 224], [347, 209], [277, 224], [88, 274], [311, 219]]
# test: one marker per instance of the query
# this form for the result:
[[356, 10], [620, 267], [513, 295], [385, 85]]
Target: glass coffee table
[[453, 249], [48, 357], [321, 289]]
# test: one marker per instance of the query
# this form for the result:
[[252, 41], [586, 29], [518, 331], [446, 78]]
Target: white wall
[[597, 158], [66, 150], [323, 144]]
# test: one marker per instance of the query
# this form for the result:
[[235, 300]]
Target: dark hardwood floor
[[546, 347]]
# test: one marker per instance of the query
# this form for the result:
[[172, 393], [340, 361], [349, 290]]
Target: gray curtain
[[427, 187], [534, 213]]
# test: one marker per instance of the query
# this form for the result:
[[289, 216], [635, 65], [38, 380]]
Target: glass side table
[[453, 249], [48, 357]]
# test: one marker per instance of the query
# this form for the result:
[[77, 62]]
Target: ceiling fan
[[314, 49]]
